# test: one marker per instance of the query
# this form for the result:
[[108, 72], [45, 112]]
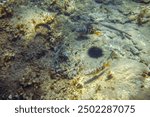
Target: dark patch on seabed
[[95, 52], [74, 49]]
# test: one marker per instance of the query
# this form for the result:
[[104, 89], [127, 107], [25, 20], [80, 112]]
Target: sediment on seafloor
[[74, 49]]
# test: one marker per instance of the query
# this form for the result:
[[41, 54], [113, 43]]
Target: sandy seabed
[[75, 49]]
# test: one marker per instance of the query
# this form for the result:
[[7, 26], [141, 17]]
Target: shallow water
[[73, 49]]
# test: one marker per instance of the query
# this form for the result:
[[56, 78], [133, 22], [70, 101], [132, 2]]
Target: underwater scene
[[74, 49]]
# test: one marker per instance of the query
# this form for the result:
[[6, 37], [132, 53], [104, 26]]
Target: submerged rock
[[142, 1]]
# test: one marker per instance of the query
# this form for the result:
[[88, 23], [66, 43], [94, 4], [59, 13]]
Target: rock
[[99, 1], [5, 11], [42, 29], [142, 1]]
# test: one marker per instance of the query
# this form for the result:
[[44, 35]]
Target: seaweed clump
[[5, 11]]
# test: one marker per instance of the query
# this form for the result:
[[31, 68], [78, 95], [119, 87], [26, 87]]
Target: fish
[[95, 77]]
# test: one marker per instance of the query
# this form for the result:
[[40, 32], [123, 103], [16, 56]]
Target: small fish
[[95, 77]]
